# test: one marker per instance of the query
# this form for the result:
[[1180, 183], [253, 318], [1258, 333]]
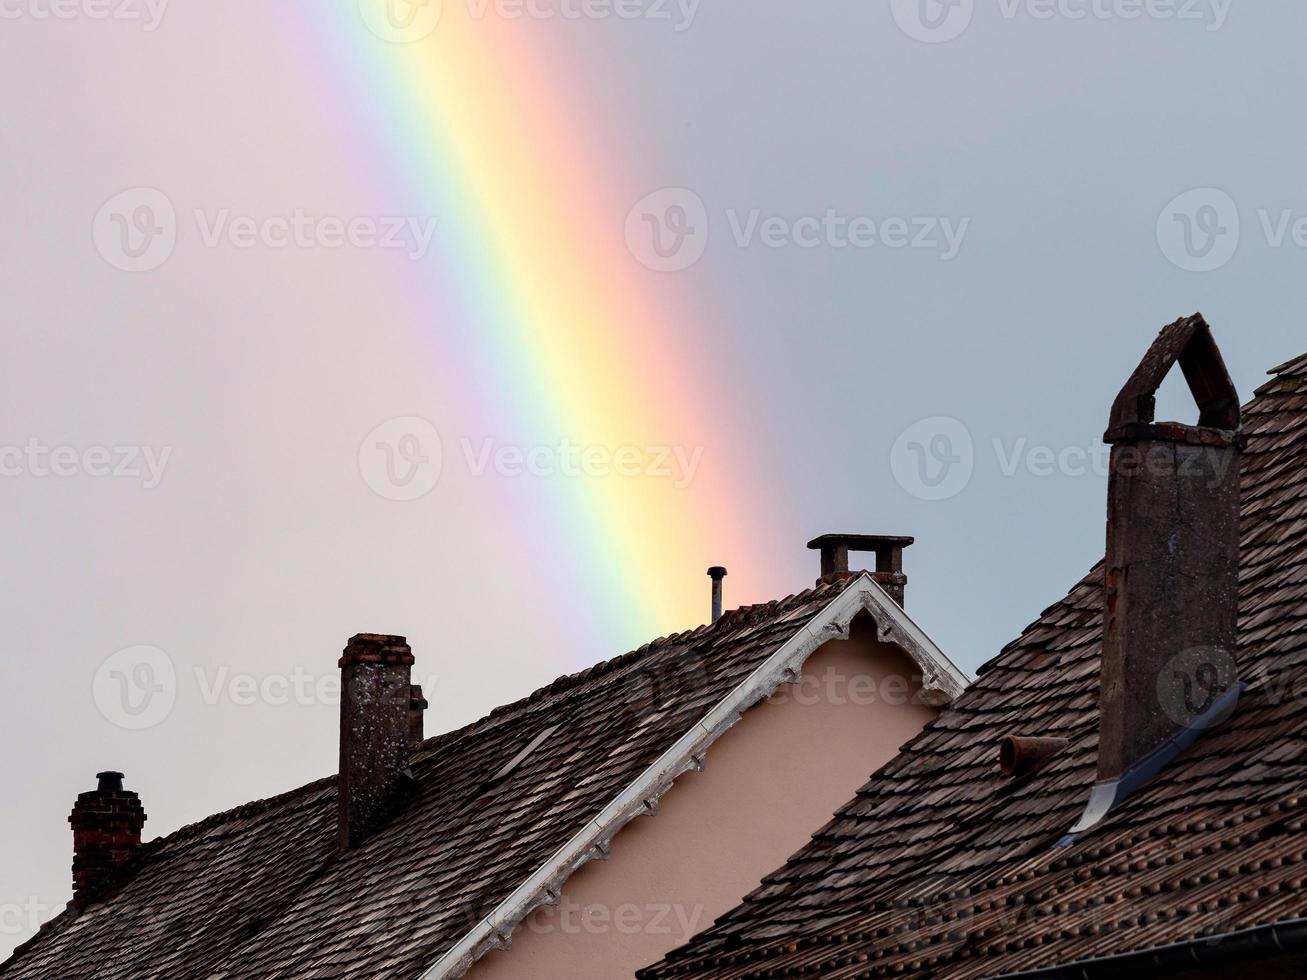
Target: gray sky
[[1074, 175]]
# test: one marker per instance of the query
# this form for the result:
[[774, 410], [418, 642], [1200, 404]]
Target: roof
[[260, 891], [941, 866]]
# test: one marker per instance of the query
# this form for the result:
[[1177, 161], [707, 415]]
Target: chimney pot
[[107, 824], [716, 573], [1020, 755], [379, 717], [888, 549]]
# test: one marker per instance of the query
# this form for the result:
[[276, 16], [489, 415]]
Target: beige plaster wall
[[769, 783]]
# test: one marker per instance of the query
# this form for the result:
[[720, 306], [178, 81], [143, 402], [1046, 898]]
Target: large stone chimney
[[1172, 566], [107, 825], [379, 722]]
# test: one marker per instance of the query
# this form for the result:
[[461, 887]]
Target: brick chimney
[[1172, 566], [377, 729], [107, 826], [888, 549]]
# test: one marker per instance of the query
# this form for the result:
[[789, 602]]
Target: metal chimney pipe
[[716, 573]]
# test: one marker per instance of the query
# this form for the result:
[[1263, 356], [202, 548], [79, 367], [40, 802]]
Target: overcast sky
[[926, 244]]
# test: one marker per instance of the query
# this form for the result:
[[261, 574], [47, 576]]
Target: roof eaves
[[941, 681], [1244, 946]]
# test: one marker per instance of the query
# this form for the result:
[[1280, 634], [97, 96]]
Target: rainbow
[[535, 307]]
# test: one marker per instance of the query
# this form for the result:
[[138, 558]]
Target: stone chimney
[[888, 549], [107, 825], [1172, 568], [380, 716]]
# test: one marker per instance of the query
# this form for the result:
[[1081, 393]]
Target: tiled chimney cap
[[835, 550], [861, 542], [1189, 343], [377, 648]]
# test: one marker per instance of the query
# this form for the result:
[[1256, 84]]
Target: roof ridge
[[1295, 365], [740, 616], [1280, 376], [251, 809]]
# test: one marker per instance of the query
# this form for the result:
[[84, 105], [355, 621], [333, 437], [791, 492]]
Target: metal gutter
[[941, 680], [1244, 946]]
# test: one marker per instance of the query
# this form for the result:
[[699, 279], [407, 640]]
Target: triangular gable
[[941, 682]]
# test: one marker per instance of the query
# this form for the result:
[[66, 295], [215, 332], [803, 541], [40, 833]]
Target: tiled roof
[[260, 892], [942, 867]]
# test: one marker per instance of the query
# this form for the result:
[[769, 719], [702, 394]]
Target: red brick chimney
[[107, 826], [1172, 564], [377, 729]]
